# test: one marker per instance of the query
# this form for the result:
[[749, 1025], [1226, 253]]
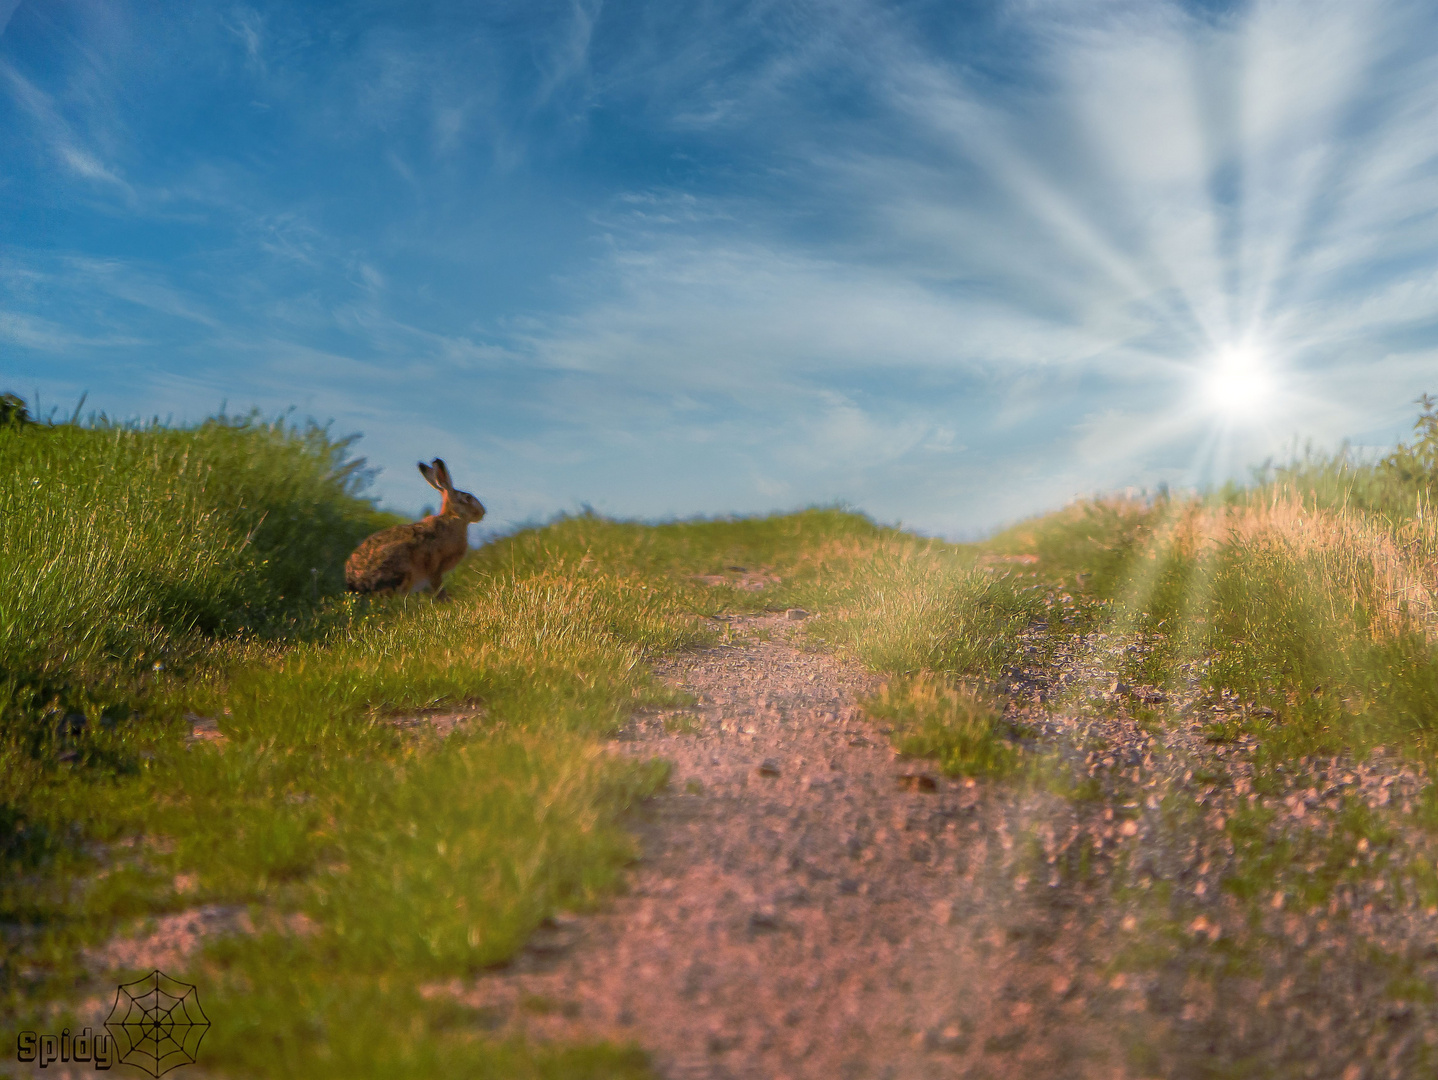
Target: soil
[[808, 904]]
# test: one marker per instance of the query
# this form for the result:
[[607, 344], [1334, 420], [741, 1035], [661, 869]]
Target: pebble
[[950, 1040], [918, 782], [899, 938], [764, 918]]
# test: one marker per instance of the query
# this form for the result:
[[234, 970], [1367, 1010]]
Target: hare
[[407, 558]]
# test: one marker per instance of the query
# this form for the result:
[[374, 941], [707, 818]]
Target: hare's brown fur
[[409, 557]]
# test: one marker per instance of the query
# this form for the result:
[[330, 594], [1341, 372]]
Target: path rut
[[807, 904]]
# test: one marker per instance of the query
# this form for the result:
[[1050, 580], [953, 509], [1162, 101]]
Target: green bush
[[1396, 487], [1415, 464], [126, 548]]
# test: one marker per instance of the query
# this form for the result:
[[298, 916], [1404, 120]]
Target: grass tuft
[[958, 726]]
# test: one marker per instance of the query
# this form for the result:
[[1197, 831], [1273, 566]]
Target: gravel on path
[[807, 903]]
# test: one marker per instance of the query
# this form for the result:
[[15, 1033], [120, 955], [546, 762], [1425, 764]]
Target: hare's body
[[407, 558]]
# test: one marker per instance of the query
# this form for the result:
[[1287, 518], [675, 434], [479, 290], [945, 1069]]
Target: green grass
[[127, 550], [957, 726], [1291, 610], [170, 571], [197, 571], [1306, 866]]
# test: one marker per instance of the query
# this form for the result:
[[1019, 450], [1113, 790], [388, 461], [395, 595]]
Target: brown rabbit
[[407, 558]]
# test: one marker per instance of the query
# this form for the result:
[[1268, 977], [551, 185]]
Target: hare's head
[[459, 504]]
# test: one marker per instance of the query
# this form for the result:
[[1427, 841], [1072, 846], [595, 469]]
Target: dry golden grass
[[1391, 572]]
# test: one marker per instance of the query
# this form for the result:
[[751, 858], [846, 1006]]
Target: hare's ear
[[432, 474], [441, 473]]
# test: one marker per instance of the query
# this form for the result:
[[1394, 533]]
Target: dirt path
[[809, 905]]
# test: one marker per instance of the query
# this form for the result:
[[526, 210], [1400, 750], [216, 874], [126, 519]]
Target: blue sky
[[952, 263]]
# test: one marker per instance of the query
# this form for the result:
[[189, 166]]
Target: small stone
[[796, 896], [769, 767], [943, 913], [764, 918], [550, 944], [1202, 927], [204, 729], [1399, 1012], [950, 1040], [719, 1042], [918, 782], [796, 614]]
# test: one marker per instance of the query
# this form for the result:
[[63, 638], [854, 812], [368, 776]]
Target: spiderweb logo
[[157, 1023]]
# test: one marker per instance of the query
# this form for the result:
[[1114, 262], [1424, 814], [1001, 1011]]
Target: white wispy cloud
[[842, 255], [7, 11], [1084, 221], [57, 133], [44, 335]]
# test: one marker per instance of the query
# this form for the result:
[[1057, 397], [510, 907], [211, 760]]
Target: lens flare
[[1239, 384]]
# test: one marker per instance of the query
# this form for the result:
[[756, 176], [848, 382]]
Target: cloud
[[248, 28], [952, 265], [56, 132], [7, 12], [567, 58], [42, 335]]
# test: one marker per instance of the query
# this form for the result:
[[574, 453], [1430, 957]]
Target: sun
[[1239, 383]]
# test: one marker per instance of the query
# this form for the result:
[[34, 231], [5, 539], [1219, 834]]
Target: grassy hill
[[161, 577]]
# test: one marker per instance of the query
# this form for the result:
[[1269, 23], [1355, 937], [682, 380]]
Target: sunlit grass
[[416, 858], [409, 854], [126, 550], [412, 857], [957, 726]]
